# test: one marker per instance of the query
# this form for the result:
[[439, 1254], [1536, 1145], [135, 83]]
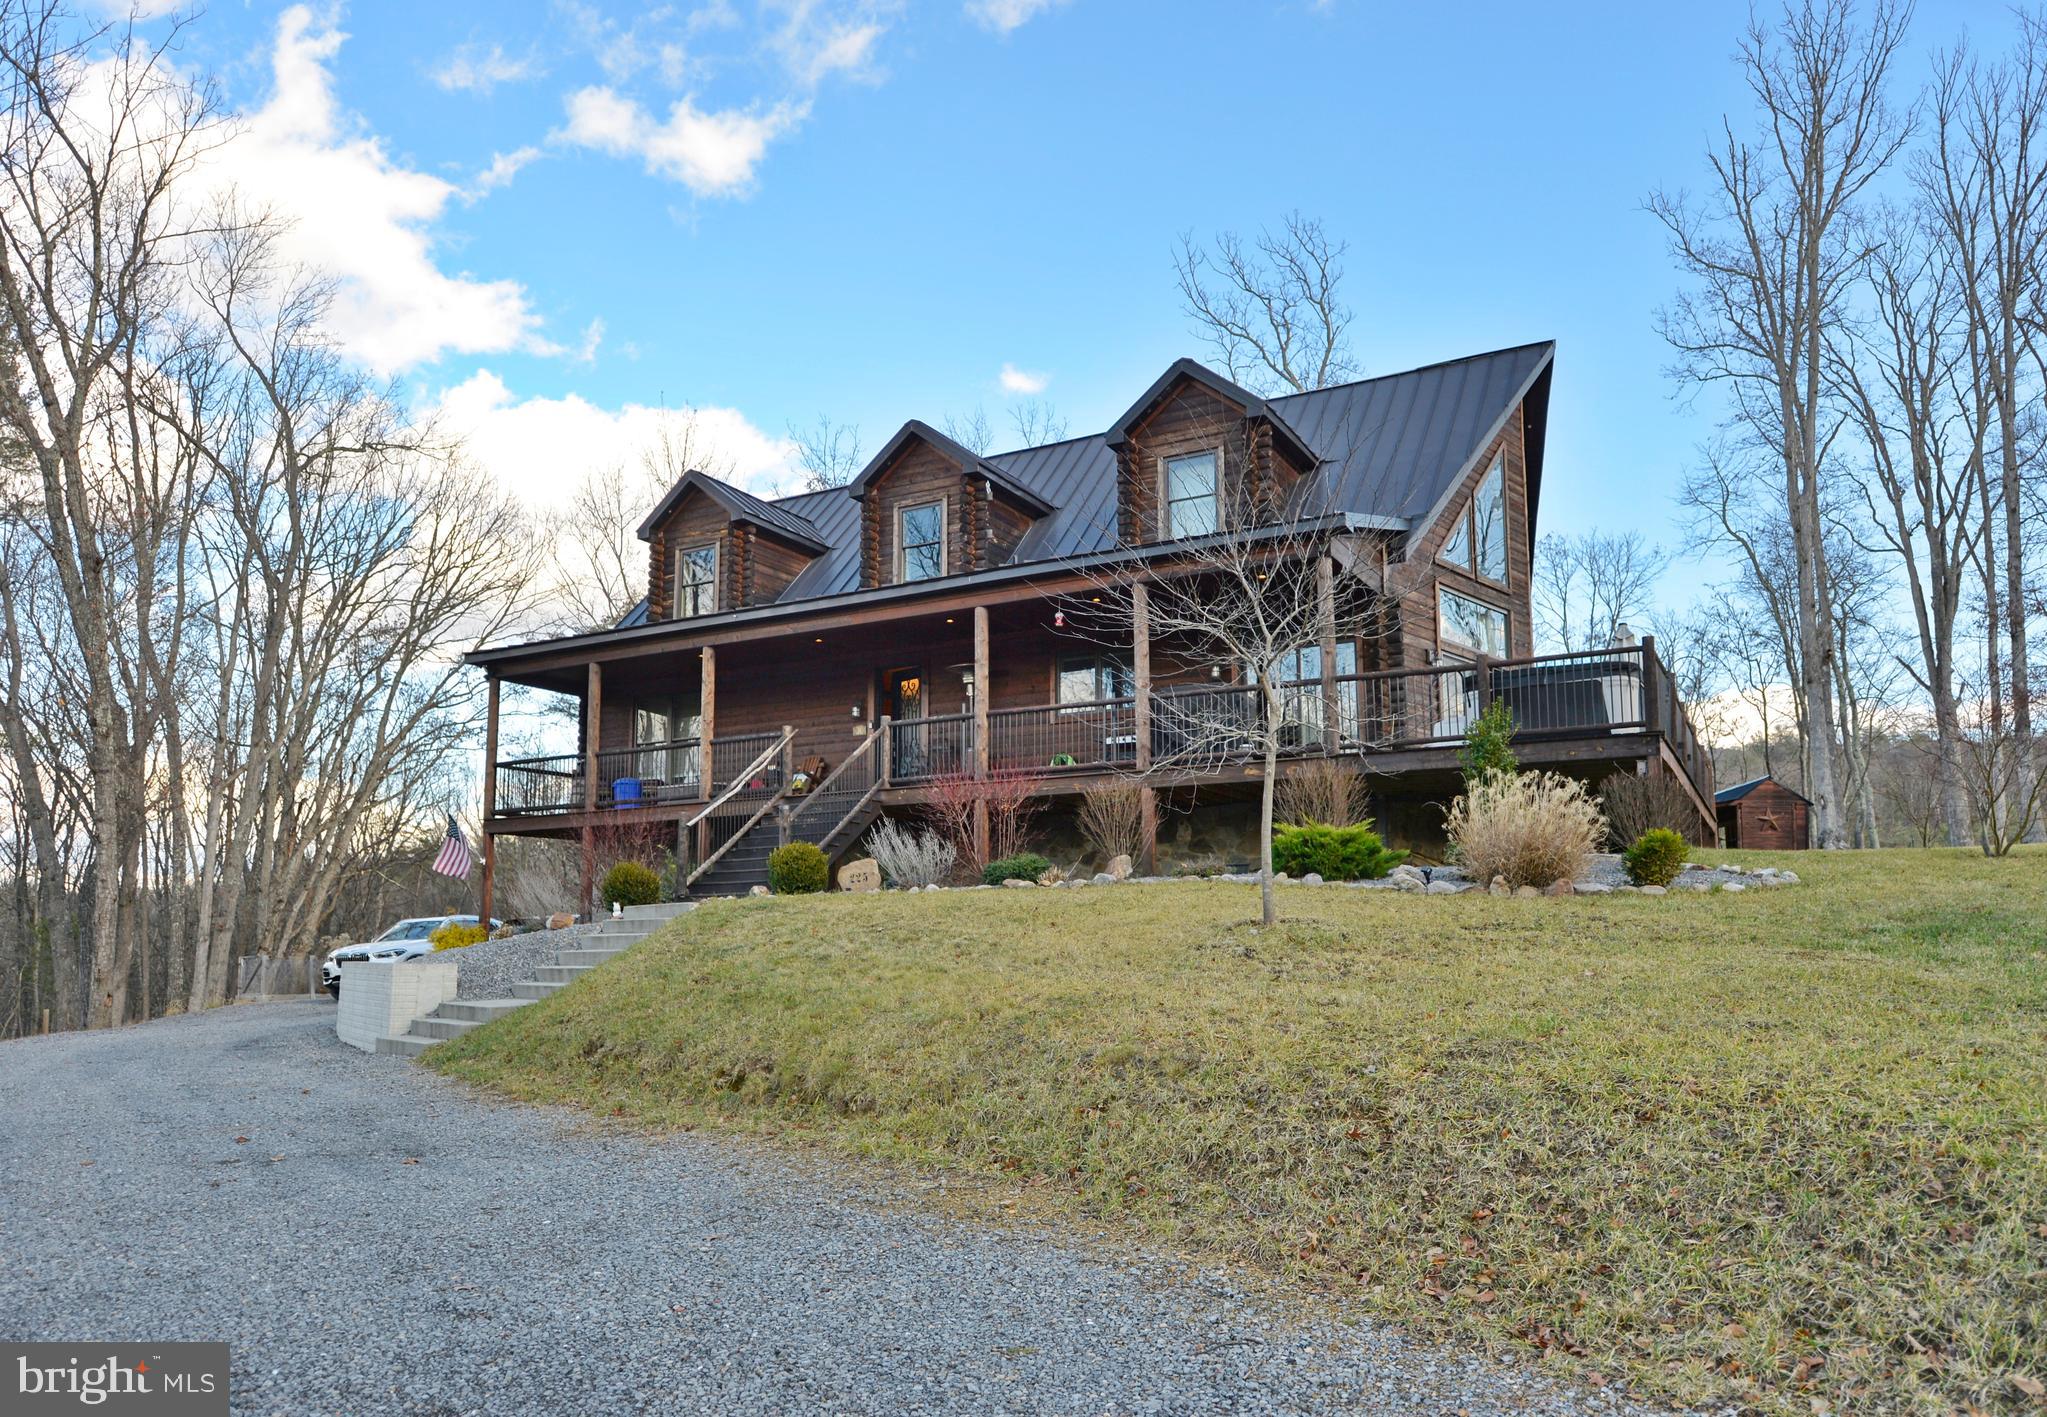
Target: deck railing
[[1611, 692]]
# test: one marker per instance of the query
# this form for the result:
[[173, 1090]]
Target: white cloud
[[713, 154], [539, 448], [1008, 16], [818, 39], [1022, 381], [503, 168], [363, 218], [477, 69], [593, 336]]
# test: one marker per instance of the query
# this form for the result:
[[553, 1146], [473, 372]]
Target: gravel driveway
[[369, 1238]]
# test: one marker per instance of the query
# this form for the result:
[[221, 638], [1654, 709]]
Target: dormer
[[931, 507], [713, 547], [1197, 452]]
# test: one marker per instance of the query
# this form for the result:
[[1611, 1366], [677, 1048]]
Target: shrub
[[1324, 790], [456, 935], [909, 857], [1638, 802], [1348, 853], [1027, 866], [1486, 743], [630, 883], [1111, 818], [798, 869], [1531, 828], [1655, 857]]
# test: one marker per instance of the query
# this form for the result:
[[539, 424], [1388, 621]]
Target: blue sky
[[548, 219]]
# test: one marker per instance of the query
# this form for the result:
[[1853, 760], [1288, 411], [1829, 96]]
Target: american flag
[[454, 859]]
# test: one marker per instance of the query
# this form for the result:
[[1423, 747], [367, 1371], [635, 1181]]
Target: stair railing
[[853, 782], [733, 789]]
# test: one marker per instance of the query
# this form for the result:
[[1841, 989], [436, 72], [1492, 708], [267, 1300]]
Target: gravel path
[[489, 968], [369, 1238]]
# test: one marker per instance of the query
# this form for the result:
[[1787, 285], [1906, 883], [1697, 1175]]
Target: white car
[[405, 940]]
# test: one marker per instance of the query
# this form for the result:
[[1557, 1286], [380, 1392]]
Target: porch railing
[[650, 774], [532, 786], [941, 745], [755, 788]]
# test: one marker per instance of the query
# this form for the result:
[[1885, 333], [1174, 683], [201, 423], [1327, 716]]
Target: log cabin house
[[906, 629]]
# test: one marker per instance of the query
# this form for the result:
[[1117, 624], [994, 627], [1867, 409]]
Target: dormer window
[[696, 580], [1190, 495], [920, 541], [1478, 541]]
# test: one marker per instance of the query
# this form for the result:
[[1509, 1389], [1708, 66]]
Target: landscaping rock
[[759, 890], [1500, 886], [1527, 893], [1405, 872], [1449, 887], [1594, 888], [1559, 888], [1734, 886], [1652, 890], [1407, 883], [1120, 868], [560, 920], [1103, 878], [1313, 878], [1014, 883], [862, 875]]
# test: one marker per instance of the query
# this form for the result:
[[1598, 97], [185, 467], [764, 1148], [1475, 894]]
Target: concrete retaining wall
[[379, 1000]]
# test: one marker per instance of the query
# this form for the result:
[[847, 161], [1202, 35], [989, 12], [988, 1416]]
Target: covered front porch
[[816, 726]]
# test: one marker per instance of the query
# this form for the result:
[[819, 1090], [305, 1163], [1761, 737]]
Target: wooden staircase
[[832, 816]]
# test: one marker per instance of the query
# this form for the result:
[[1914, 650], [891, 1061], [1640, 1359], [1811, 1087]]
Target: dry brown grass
[[1533, 828], [1763, 1152], [1326, 791], [1111, 818]]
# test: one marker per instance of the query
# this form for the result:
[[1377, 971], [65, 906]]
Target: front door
[[903, 691]]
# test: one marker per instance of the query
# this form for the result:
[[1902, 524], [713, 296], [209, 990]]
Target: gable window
[[1478, 541], [696, 580], [1095, 678], [1189, 495], [920, 541], [1470, 625]]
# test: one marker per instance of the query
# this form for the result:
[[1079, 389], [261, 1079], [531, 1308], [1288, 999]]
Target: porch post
[[490, 797], [593, 715], [1652, 686], [590, 872], [707, 720], [1325, 618], [1140, 667], [981, 746]]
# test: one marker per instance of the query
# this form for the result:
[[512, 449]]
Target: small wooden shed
[[1762, 815]]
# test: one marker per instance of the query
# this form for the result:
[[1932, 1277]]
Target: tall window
[[1471, 625], [1094, 678], [696, 580], [1478, 540], [920, 541], [1190, 495]]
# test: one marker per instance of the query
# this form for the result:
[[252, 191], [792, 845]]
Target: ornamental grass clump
[[1352, 853], [798, 869], [1656, 857], [910, 858], [1532, 828]]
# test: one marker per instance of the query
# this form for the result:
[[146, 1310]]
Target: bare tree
[[1772, 255], [1036, 423], [828, 452], [1272, 309], [1588, 586], [971, 431]]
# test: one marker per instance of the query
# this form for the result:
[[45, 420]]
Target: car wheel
[[335, 990]]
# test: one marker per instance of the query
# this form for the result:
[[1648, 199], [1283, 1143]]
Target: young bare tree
[[1772, 255], [828, 452], [971, 431], [1036, 422], [1272, 309], [1587, 586]]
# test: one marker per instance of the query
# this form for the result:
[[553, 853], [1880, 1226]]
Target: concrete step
[[406, 1046], [537, 988], [665, 910], [616, 939], [435, 1029], [479, 1010], [560, 973], [588, 958]]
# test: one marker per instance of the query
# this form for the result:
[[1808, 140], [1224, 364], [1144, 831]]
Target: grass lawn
[[1785, 1149]]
